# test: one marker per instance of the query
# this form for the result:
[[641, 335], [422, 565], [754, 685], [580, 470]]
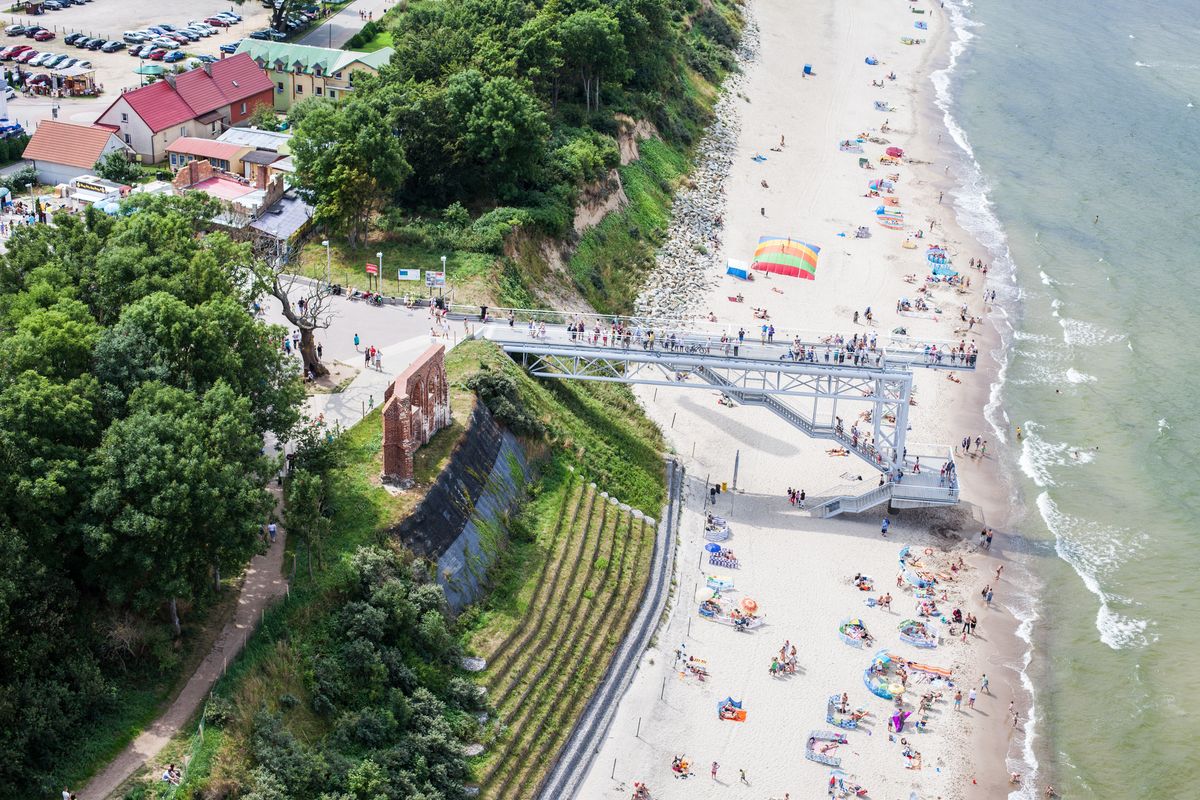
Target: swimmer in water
[[1018, 431]]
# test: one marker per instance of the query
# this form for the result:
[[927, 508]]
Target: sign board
[[408, 275], [435, 278], [372, 269]]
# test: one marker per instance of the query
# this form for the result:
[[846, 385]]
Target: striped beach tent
[[786, 256], [890, 218]]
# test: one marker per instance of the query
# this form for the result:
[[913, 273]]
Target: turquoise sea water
[[1068, 112]]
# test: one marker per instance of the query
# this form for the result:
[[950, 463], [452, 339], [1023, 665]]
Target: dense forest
[[135, 391], [493, 114]]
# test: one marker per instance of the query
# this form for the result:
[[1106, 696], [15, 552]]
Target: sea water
[[1079, 132]]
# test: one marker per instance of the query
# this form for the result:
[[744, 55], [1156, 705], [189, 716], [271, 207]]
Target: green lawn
[[469, 275], [382, 39]]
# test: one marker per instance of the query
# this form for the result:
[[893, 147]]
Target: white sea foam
[[1075, 376], [1046, 279], [1163, 426], [1081, 333], [1094, 551], [1026, 614], [1038, 456]]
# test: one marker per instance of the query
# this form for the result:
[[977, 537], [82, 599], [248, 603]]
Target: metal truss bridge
[[811, 385]]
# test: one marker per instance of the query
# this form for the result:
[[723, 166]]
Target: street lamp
[[442, 288], [379, 277], [325, 244]]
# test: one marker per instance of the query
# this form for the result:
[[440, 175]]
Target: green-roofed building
[[300, 71]]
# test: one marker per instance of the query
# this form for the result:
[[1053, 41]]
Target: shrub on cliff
[[499, 393]]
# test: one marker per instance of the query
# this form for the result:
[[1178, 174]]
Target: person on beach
[[999, 569], [983, 684], [958, 700], [989, 598], [742, 777], [715, 767], [971, 698], [883, 527]]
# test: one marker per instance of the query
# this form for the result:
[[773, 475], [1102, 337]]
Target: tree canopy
[[482, 95], [135, 392]]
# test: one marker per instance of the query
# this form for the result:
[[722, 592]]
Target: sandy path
[[263, 584]]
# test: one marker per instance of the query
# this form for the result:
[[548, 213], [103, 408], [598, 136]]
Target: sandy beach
[[796, 567]]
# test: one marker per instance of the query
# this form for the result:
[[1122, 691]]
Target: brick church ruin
[[415, 407]]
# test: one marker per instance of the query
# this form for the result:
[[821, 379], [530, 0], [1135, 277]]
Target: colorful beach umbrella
[[786, 256], [895, 152]]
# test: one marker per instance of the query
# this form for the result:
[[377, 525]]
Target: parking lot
[[108, 20]]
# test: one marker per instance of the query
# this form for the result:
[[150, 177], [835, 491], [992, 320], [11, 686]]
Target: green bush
[[500, 394], [584, 156]]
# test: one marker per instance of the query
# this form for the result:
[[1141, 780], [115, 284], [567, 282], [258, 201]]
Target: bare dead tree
[[306, 303]]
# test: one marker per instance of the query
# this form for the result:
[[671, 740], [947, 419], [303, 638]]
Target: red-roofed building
[[200, 103], [61, 151]]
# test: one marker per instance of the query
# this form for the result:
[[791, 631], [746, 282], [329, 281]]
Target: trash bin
[[724, 486]]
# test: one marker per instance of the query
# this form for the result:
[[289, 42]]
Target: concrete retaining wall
[[460, 523]]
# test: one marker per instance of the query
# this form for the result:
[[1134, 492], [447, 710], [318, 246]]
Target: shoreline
[[985, 487]]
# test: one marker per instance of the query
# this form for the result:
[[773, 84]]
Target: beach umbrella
[[712, 547], [786, 256], [749, 605], [895, 152]]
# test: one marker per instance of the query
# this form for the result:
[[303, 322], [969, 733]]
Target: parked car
[[70, 62], [52, 5], [230, 47], [40, 59], [95, 44], [32, 30], [207, 59], [179, 37], [263, 35], [112, 47], [72, 38], [85, 64], [173, 56], [43, 36], [158, 54], [14, 30], [166, 27], [83, 42], [217, 22], [13, 52], [26, 57], [190, 35], [144, 51], [55, 60], [166, 44]]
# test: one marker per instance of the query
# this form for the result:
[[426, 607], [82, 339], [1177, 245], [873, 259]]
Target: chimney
[[170, 78], [208, 68], [260, 176]]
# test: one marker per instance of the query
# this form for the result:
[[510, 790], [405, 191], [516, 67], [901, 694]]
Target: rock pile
[[689, 263]]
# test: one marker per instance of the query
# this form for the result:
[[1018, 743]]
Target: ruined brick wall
[[415, 407]]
